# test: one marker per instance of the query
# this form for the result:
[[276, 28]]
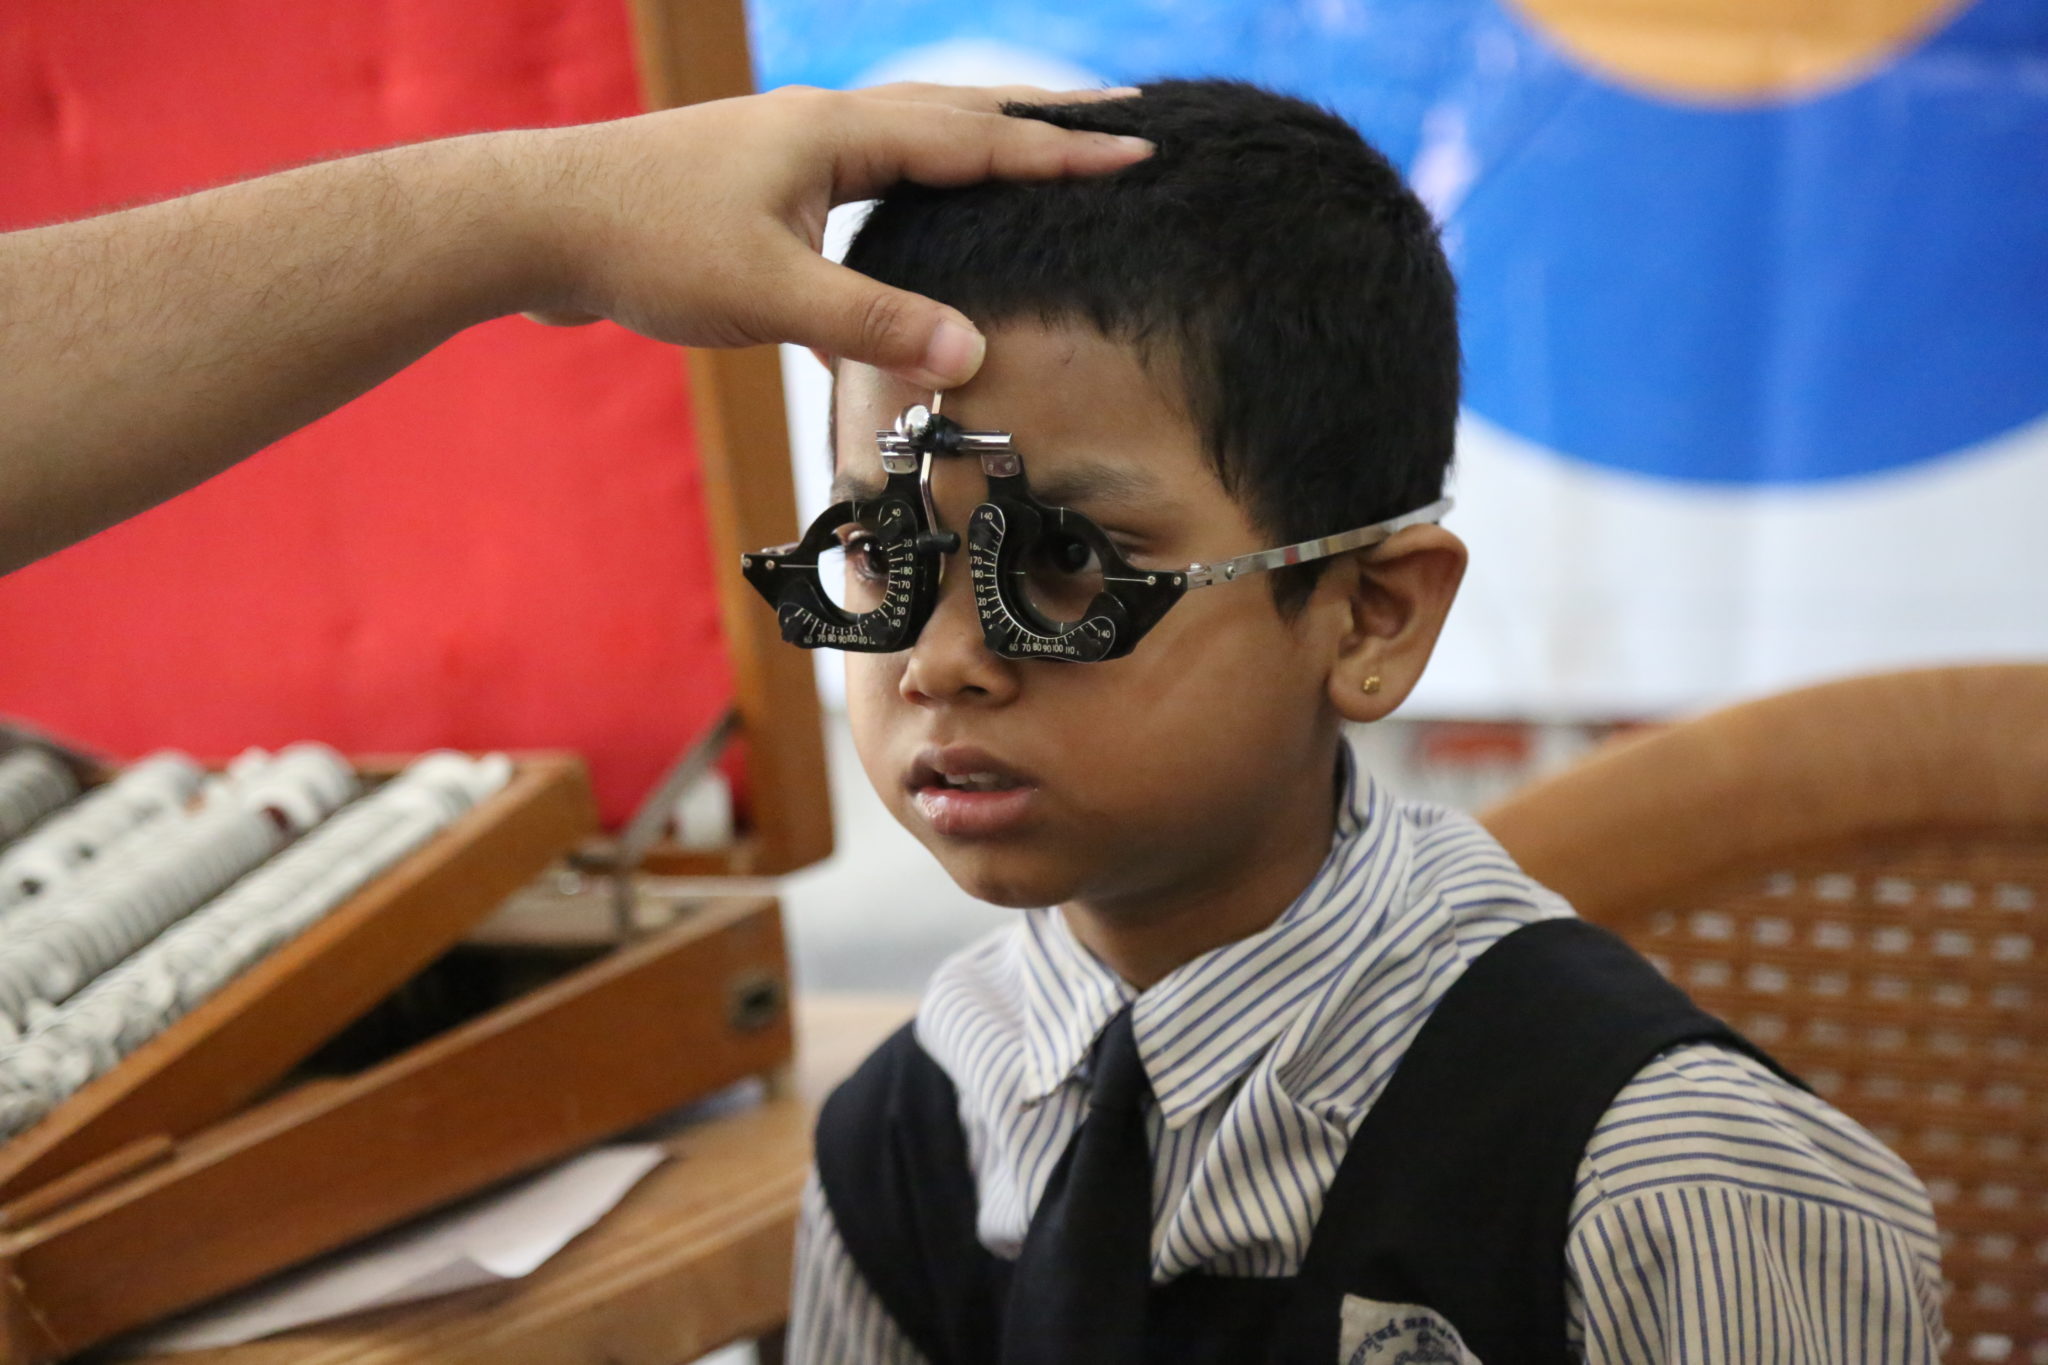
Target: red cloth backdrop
[[501, 547]]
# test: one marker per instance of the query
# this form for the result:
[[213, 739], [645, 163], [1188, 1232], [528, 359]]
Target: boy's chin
[[1018, 883]]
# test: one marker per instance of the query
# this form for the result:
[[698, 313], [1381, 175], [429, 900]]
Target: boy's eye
[[1068, 554], [855, 572], [1062, 576], [867, 556]]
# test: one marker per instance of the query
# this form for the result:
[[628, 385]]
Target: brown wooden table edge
[[626, 1292]]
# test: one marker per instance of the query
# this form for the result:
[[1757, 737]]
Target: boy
[[1290, 1071]]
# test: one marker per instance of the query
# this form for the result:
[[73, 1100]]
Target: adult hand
[[702, 226]]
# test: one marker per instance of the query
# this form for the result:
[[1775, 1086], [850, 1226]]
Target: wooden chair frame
[[1856, 875], [692, 51], [1956, 749]]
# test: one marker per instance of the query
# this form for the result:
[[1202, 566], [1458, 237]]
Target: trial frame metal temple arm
[[1208, 575]]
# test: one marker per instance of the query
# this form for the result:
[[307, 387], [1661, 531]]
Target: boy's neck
[[1145, 936]]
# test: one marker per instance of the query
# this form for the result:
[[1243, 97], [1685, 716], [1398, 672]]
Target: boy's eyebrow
[[1098, 484], [1077, 485]]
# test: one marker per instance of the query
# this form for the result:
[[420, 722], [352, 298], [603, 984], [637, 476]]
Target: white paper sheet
[[504, 1236]]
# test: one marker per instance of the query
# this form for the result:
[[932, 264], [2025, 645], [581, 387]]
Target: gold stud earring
[[1371, 685]]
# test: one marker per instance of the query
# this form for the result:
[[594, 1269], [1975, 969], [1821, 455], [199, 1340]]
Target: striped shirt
[[1720, 1213]]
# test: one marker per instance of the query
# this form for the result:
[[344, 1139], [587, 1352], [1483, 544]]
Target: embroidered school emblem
[[1375, 1333]]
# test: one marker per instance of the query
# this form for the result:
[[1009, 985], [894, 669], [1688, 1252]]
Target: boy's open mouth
[[965, 792]]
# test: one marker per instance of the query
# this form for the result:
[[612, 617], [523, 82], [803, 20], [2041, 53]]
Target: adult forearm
[[143, 352]]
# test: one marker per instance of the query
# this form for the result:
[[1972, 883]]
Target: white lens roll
[[84, 1037], [33, 782], [95, 825]]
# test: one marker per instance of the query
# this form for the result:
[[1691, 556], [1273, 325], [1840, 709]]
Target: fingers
[[770, 165], [907, 140], [844, 313]]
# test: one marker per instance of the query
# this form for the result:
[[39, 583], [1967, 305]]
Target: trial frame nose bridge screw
[[923, 427]]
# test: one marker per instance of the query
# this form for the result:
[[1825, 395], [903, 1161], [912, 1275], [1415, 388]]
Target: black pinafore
[[1453, 1195]]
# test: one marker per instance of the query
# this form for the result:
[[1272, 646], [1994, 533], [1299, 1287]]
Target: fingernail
[[954, 353], [1142, 146], [1122, 92]]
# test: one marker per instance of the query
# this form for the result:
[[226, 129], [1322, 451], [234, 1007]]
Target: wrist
[[545, 227], [497, 199]]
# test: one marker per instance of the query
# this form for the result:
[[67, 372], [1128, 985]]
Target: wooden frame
[[691, 52]]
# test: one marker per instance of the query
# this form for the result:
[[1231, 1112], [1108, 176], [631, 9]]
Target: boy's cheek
[[867, 704]]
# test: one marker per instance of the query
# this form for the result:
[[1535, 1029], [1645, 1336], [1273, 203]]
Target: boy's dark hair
[[1266, 251]]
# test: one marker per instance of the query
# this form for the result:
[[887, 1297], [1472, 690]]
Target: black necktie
[[1077, 1296]]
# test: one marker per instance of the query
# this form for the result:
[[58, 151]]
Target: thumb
[[844, 313]]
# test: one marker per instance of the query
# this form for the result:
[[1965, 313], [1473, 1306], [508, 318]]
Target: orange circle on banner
[[1735, 50]]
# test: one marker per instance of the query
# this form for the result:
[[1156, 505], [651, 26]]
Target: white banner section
[[1597, 594]]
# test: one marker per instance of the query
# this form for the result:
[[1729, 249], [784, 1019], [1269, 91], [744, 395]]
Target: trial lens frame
[[1010, 525]]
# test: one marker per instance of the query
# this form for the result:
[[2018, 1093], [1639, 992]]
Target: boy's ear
[[1384, 608]]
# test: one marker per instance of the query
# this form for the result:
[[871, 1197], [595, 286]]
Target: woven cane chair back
[[1856, 876]]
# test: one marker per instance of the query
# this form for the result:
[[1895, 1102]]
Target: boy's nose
[[950, 661]]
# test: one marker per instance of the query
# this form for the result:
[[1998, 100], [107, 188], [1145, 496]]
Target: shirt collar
[[1203, 1025], [1069, 998]]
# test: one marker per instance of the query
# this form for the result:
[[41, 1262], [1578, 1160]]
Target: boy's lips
[[965, 792]]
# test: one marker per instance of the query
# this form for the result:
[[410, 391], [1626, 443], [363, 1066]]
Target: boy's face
[[1134, 782]]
